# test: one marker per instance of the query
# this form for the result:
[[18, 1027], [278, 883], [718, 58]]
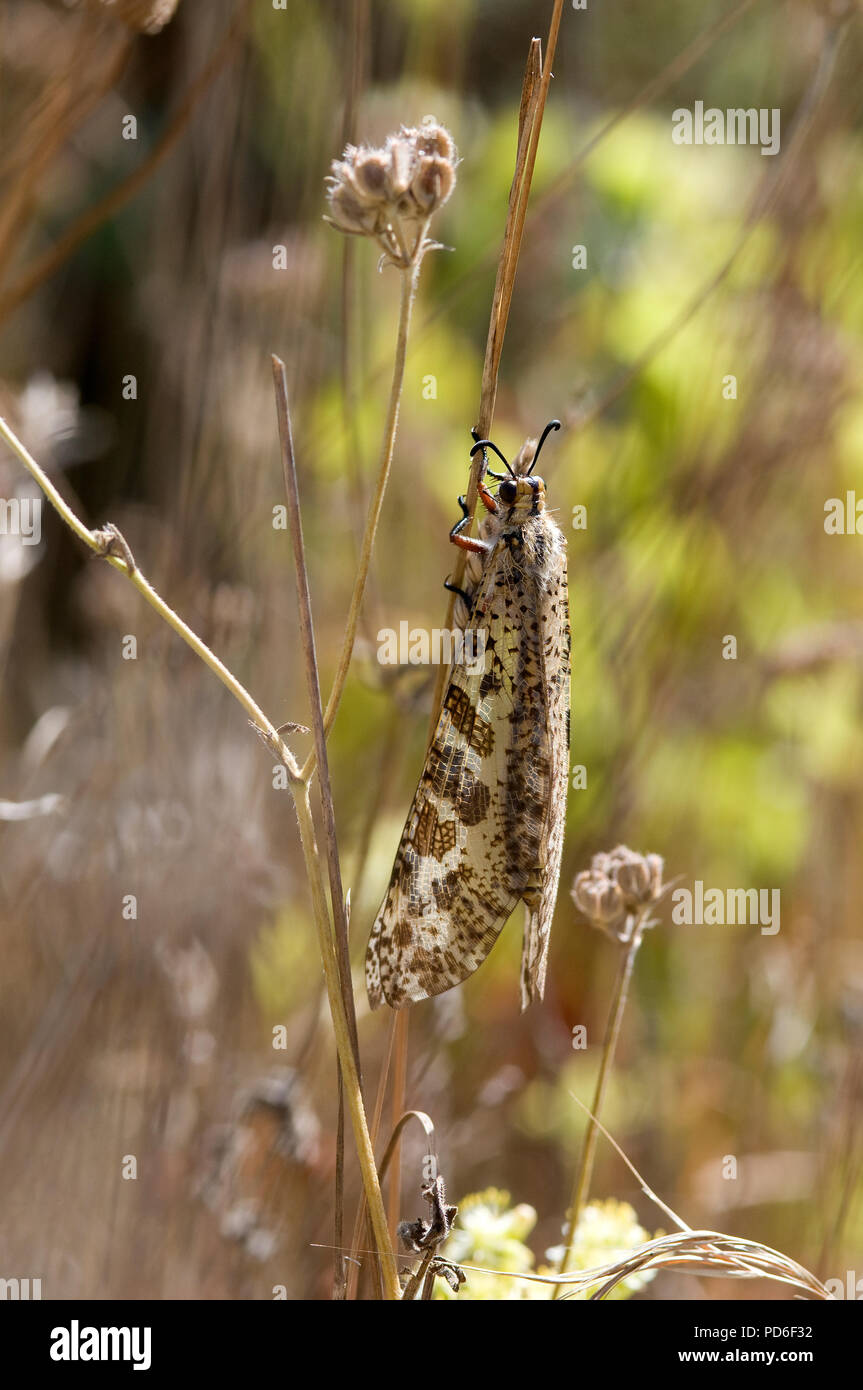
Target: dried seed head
[[392, 192], [617, 885], [634, 879], [598, 897], [402, 157], [656, 865], [601, 863], [370, 170], [432, 182], [639, 876], [435, 139], [350, 213]]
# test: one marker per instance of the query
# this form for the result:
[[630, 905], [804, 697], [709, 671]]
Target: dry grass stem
[[108, 543], [581, 1186], [409, 280], [337, 901], [534, 93]]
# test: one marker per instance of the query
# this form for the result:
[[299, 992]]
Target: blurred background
[[156, 923]]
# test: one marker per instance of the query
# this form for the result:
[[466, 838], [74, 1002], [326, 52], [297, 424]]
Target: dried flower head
[[421, 1235], [617, 887], [392, 193]]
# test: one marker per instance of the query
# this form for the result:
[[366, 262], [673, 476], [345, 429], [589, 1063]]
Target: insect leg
[[477, 547], [486, 498], [454, 589], [465, 514], [465, 542]]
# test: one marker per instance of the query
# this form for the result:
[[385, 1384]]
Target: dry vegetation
[[145, 1038]]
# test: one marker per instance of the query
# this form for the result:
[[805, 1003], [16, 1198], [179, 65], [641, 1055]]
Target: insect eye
[[507, 490]]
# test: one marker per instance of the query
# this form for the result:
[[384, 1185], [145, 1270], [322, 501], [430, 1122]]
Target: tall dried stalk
[[584, 1172], [533, 97], [409, 280], [109, 543], [337, 900], [537, 77]]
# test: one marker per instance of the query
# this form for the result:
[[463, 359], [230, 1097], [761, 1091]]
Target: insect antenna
[[552, 425], [487, 444]]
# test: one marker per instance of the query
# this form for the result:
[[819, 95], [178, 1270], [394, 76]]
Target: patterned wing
[[552, 605], [473, 835]]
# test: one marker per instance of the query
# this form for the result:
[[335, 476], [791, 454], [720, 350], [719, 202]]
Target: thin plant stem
[[531, 95], [97, 541], [392, 1155], [362, 1212], [672, 72], [581, 1186], [340, 1282], [109, 543], [350, 1075], [427, 1125], [410, 1289], [400, 1076], [307, 635], [409, 278], [337, 901], [357, 50], [534, 92]]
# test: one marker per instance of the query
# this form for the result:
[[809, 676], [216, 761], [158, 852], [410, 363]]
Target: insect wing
[[473, 834]]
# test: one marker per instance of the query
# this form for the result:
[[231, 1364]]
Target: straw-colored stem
[[410, 1291], [337, 900], [400, 1078], [581, 1186], [361, 1222], [537, 76], [350, 1076], [97, 542], [307, 635], [409, 279]]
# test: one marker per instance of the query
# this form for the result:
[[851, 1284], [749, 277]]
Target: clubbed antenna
[[552, 425], [487, 444]]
